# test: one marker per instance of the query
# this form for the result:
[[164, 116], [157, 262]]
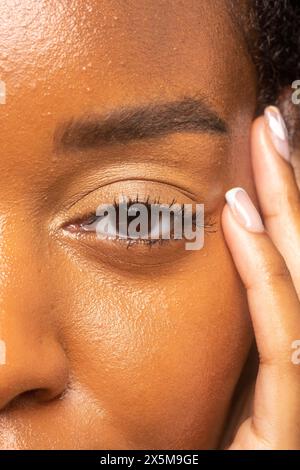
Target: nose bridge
[[23, 280], [31, 356]]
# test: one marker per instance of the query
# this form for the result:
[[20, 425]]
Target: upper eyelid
[[183, 190], [146, 202]]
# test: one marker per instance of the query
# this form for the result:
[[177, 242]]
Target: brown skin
[[109, 347]]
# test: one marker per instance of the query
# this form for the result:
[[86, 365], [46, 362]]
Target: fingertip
[[244, 210]]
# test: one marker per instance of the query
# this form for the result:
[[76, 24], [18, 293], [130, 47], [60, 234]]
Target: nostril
[[39, 395], [43, 395], [32, 397], [34, 375], [20, 401]]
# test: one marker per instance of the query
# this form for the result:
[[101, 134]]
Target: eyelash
[[91, 218]]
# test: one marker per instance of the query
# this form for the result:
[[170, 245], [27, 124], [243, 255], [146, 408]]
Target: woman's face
[[109, 346]]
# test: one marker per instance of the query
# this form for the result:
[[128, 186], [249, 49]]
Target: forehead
[[59, 59], [111, 41]]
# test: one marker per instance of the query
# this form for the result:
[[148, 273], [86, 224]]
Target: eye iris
[[142, 231]]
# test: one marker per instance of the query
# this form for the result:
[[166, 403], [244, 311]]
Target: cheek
[[159, 349]]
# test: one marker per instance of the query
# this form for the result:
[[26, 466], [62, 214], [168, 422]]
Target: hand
[[267, 256]]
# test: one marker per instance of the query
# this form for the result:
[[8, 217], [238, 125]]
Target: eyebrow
[[126, 124]]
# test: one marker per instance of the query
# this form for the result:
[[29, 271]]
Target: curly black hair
[[273, 32], [276, 47]]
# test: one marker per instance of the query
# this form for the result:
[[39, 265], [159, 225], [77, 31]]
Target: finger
[[273, 302], [277, 190], [274, 308]]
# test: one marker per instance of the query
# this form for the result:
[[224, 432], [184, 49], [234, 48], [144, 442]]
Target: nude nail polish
[[278, 131], [244, 210]]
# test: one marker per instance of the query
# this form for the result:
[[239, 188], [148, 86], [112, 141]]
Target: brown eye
[[151, 222], [136, 222]]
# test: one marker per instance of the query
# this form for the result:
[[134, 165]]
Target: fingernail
[[278, 131], [244, 210]]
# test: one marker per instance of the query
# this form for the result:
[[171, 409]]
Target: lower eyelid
[[136, 257]]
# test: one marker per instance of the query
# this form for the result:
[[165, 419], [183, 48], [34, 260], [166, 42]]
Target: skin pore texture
[[109, 347]]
